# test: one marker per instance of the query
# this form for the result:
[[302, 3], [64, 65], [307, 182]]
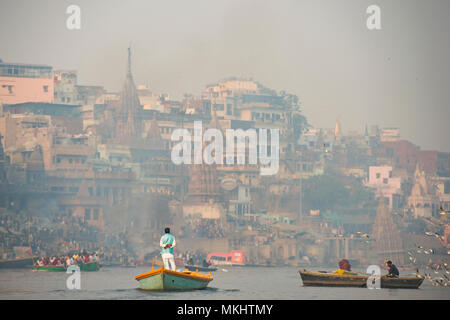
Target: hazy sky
[[320, 50]]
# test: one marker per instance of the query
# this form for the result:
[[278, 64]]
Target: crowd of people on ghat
[[44, 235], [204, 228], [48, 236], [66, 260]]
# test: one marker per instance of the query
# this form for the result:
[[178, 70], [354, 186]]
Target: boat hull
[[401, 283], [50, 268], [200, 268], [163, 279], [92, 266], [16, 263], [319, 279]]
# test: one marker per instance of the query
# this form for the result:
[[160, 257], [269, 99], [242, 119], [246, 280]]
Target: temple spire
[[129, 62]]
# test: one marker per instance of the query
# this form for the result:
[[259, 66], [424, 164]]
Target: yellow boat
[[164, 279]]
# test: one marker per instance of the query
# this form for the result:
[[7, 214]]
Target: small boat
[[163, 279], [401, 282], [49, 268], [91, 266], [16, 263], [199, 268], [232, 258], [325, 279]]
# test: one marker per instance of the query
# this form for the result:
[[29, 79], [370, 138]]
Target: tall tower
[[337, 129], [204, 186], [2, 162], [388, 242], [128, 118]]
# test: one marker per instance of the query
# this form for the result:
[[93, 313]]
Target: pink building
[[447, 236], [382, 180], [21, 83]]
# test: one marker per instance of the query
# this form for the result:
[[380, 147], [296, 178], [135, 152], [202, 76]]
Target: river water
[[253, 283]]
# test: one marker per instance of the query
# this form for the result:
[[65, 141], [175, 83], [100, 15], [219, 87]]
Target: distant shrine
[[423, 202], [128, 116], [388, 241], [204, 196]]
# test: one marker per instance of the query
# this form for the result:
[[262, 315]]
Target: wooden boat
[[199, 268], [401, 282], [325, 279], [16, 263], [163, 279]]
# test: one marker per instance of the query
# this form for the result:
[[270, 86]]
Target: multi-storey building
[[20, 82]]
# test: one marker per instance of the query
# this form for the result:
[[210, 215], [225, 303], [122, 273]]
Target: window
[[378, 176], [447, 187], [87, 214], [385, 180], [229, 110], [91, 191], [45, 88], [390, 174], [96, 212]]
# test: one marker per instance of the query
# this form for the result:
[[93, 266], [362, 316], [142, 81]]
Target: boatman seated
[[393, 271], [344, 267], [167, 243]]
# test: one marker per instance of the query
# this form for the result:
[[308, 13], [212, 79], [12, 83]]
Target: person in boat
[[344, 267], [205, 263], [167, 243], [393, 271]]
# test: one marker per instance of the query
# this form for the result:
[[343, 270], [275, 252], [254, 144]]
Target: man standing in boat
[[167, 243]]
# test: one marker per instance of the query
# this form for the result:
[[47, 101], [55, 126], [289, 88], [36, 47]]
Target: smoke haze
[[321, 51]]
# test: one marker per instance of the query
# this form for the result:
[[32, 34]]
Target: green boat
[[199, 268], [163, 279], [49, 268], [91, 266]]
